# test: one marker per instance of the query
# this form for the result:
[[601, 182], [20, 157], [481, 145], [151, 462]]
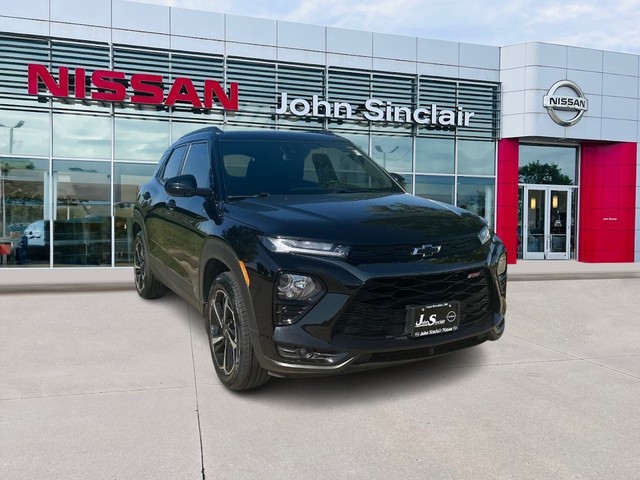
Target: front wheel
[[229, 337], [147, 285]]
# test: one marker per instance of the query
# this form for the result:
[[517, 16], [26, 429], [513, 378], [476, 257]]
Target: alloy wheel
[[223, 332], [139, 265]]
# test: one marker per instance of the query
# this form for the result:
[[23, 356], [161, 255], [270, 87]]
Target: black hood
[[355, 219]]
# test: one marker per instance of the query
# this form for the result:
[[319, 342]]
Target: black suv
[[307, 258]]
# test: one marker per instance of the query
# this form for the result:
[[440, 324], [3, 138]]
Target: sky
[[605, 24]]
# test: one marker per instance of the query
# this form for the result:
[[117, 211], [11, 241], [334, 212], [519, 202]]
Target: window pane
[[24, 133], [198, 164], [477, 196], [81, 136], [393, 153], [438, 188], [24, 238], [360, 141], [541, 164], [434, 155], [476, 158], [82, 217], [141, 139], [180, 129], [172, 167], [126, 179]]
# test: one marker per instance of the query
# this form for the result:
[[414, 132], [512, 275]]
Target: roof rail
[[214, 130]]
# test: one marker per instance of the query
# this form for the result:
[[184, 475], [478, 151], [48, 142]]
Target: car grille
[[403, 252], [379, 307]]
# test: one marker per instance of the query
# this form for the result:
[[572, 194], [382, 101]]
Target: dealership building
[[539, 139]]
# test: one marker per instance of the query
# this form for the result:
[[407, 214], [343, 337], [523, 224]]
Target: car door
[[189, 218], [158, 217]]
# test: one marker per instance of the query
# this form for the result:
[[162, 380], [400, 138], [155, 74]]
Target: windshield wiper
[[241, 197], [359, 190]]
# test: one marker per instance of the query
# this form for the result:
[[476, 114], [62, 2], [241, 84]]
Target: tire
[[229, 337], [147, 285]]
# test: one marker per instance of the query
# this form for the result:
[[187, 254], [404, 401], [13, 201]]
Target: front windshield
[[276, 167]]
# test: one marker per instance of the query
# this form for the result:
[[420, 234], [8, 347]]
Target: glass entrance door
[[547, 223]]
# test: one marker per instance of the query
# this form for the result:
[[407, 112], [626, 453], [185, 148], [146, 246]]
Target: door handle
[[171, 204]]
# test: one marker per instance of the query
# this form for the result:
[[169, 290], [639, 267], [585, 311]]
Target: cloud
[[587, 23]]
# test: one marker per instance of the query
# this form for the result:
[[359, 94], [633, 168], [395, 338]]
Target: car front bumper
[[360, 322]]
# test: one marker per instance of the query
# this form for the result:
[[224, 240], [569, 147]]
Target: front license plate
[[423, 320]]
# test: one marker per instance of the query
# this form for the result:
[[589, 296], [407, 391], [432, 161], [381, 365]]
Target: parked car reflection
[[78, 241]]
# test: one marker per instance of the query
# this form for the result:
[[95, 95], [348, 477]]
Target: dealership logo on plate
[[566, 103]]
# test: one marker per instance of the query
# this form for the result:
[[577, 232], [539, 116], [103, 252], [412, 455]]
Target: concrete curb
[[121, 279]]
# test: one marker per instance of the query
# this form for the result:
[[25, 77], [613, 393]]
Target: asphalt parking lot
[[105, 385]]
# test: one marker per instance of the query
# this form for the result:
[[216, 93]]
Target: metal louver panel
[[257, 86], [15, 54]]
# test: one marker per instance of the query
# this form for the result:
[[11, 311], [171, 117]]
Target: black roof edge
[[200, 131], [217, 131]]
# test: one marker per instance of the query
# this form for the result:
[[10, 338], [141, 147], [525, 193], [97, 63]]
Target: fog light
[[297, 287], [308, 355], [305, 353], [502, 264]]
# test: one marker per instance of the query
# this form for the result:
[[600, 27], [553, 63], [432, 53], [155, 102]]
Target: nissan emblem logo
[[557, 103]]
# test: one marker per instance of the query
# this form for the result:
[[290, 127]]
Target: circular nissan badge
[[565, 103]]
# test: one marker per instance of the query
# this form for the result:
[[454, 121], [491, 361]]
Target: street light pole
[[17, 125], [384, 154]]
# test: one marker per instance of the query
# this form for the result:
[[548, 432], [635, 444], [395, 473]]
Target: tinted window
[[299, 167], [198, 164], [172, 167]]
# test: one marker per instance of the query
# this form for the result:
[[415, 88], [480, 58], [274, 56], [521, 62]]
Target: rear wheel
[[146, 283], [229, 337]]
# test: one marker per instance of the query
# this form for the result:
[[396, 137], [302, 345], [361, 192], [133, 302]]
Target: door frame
[[547, 253]]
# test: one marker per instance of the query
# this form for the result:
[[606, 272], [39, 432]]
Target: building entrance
[[547, 226]]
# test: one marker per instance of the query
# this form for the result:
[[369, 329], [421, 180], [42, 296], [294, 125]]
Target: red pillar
[[507, 196], [607, 202]]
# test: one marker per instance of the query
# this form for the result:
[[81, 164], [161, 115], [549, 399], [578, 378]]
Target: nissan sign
[[564, 109]]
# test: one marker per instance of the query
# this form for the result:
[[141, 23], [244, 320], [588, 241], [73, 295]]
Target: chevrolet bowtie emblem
[[426, 250]]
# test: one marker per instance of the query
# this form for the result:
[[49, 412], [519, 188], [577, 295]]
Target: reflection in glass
[[548, 165], [24, 234], [24, 132], [558, 221], [82, 217], [180, 129], [537, 217], [81, 136], [477, 195], [476, 158], [141, 139], [393, 153], [127, 178], [360, 141], [434, 155], [439, 188]]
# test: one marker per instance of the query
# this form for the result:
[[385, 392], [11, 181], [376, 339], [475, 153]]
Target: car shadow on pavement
[[423, 376]]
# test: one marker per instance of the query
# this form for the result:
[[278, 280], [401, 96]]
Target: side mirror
[[400, 180], [185, 186]]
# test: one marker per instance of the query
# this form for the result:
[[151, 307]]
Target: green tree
[[543, 173]]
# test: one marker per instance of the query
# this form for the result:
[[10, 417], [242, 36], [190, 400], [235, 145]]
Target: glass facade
[[70, 167]]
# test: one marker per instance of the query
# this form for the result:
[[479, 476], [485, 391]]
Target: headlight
[[297, 287], [484, 236], [293, 245], [294, 295]]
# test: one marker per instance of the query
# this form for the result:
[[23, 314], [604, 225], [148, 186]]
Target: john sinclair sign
[[151, 89]]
